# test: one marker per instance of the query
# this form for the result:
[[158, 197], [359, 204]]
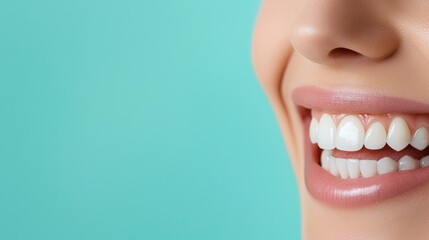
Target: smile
[[362, 148]]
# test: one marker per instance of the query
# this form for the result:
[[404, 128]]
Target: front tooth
[[353, 168], [368, 168], [350, 134], [420, 139], [333, 166], [342, 168], [399, 135], [386, 165], [326, 132], [424, 162], [324, 159], [375, 137], [314, 125], [408, 163]]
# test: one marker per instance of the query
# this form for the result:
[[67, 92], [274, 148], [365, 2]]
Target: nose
[[332, 32]]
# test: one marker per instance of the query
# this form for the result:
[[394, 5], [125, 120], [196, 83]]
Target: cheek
[[271, 45], [417, 35], [271, 50]]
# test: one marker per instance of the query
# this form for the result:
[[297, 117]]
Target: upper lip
[[362, 191], [354, 101]]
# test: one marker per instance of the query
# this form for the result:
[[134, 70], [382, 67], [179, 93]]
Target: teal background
[[137, 120]]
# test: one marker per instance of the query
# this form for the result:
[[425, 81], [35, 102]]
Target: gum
[[414, 121]]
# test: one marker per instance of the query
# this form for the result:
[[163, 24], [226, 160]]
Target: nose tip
[[332, 32]]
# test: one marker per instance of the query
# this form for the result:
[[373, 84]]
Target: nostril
[[343, 52]]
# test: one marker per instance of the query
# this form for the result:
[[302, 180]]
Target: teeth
[[324, 159], [353, 167], [368, 168], [420, 139], [314, 125], [399, 135], [350, 134], [326, 132], [342, 168], [408, 163], [375, 137], [333, 166], [386, 165], [424, 162]]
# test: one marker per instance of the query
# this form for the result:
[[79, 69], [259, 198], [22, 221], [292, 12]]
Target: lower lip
[[359, 192]]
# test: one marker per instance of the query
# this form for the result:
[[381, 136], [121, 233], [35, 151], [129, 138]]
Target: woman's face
[[349, 83]]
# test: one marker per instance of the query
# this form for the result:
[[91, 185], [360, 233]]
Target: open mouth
[[362, 148], [358, 145]]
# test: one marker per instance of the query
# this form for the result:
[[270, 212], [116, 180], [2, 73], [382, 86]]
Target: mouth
[[362, 148]]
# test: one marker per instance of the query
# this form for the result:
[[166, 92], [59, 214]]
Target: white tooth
[[368, 168], [353, 168], [386, 165], [408, 163], [324, 159], [350, 134], [399, 135], [333, 166], [326, 132], [424, 162], [314, 125], [420, 139], [342, 168], [375, 137]]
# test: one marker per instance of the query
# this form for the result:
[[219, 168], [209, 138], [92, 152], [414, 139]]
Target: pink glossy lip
[[362, 191], [354, 101]]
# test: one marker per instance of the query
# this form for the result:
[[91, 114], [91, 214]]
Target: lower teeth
[[355, 168]]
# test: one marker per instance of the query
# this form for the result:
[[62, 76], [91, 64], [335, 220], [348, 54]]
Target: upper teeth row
[[350, 134]]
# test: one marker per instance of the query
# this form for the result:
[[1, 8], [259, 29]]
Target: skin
[[375, 46]]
